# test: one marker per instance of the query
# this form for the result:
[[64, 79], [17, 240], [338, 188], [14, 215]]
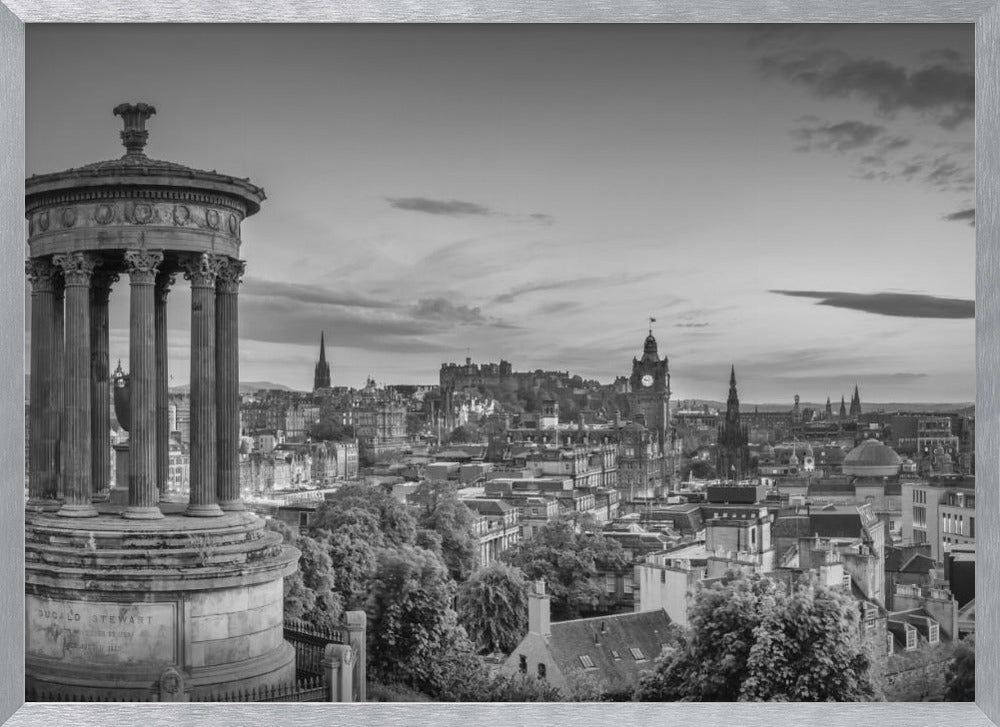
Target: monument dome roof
[[872, 457], [134, 168]]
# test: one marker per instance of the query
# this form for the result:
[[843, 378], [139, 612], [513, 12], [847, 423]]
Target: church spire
[[321, 376], [732, 377], [856, 403]]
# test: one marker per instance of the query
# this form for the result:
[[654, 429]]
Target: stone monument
[[141, 600]]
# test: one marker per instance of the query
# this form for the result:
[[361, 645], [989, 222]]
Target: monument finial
[[134, 135]]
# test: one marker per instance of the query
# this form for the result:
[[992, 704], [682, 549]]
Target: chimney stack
[[538, 610]]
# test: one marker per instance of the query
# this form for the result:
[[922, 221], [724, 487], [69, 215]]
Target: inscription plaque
[[92, 632]]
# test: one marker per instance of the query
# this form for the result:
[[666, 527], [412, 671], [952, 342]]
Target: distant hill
[[964, 407], [246, 387]]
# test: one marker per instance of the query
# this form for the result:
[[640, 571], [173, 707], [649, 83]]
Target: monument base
[[147, 610]]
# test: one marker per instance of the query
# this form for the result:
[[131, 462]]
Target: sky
[[796, 201]]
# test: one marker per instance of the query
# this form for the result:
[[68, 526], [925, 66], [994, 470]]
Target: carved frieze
[[217, 220]]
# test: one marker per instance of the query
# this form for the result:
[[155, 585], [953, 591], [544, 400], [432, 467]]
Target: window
[[911, 638], [609, 584], [972, 527], [523, 666], [663, 576], [846, 580], [541, 671], [889, 644], [627, 584], [637, 654], [920, 516], [587, 662], [933, 633]]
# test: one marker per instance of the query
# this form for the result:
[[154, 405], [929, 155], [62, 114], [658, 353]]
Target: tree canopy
[[750, 640], [569, 558], [381, 517], [452, 521], [413, 634], [493, 608], [960, 676]]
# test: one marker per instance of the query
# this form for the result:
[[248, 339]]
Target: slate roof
[[607, 642]]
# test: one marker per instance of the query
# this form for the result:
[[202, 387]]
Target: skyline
[[540, 199]]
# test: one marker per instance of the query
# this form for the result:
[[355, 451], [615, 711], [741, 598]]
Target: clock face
[[647, 380]]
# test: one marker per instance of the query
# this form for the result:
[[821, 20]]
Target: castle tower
[[321, 377]]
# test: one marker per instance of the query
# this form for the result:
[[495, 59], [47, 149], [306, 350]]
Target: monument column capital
[[164, 282], [230, 275], [202, 270], [42, 274], [142, 265], [77, 267]]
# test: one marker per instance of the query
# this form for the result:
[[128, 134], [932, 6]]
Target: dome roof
[[871, 457]]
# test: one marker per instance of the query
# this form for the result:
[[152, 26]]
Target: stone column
[[227, 383], [76, 455], [57, 395], [202, 271], [163, 283], [100, 388], [143, 495], [42, 487]]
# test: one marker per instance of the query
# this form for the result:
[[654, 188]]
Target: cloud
[[966, 215], [841, 137], [942, 91], [447, 207], [583, 282], [296, 292], [443, 310], [460, 208], [514, 293], [906, 305]]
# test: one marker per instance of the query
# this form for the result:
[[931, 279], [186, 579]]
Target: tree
[[750, 640], [569, 559], [960, 677], [413, 636], [391, 523], [309, 592], [809, 651], [493, 608], [453, 521], [465, 434]]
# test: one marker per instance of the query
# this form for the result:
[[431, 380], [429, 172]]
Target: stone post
[[202, 271], [337, 659], [357, 625], [227, 382], [100, 388], [163, 283], [77, 270], [42, 487], [143, 496]]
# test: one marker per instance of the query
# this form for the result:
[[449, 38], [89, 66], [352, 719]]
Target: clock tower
[[649, 388]]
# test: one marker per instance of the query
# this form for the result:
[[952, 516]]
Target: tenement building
[[130, 596]]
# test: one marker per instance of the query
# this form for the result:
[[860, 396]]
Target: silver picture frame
[[985, 14]]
